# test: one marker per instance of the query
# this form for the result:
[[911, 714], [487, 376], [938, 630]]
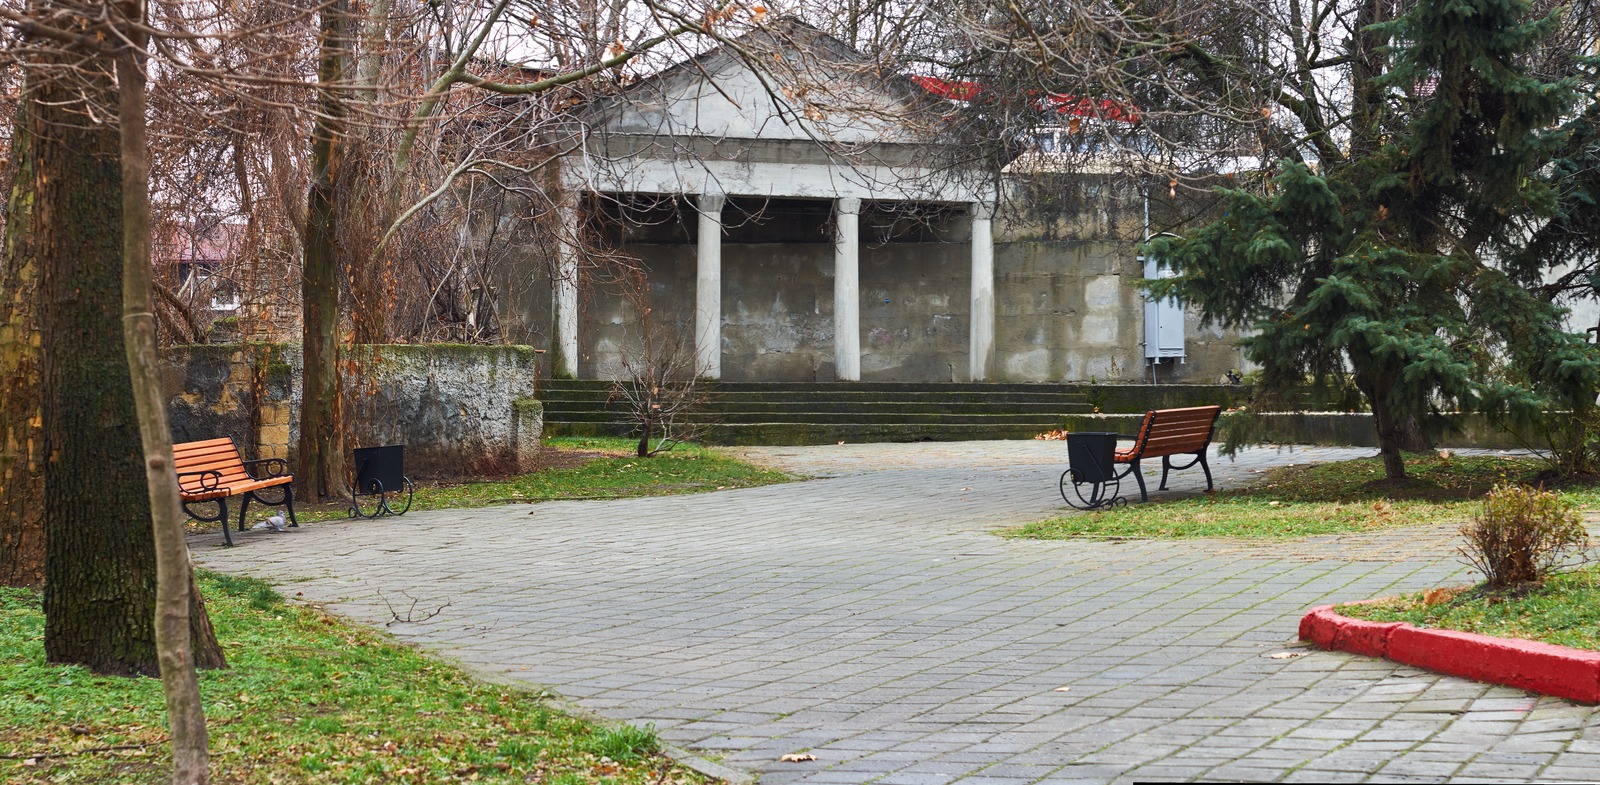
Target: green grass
[[584, 468], [1297, 501], [1565, 611], [307, 698], [685, 469]]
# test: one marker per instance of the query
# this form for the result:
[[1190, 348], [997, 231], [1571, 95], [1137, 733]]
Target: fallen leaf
[[798, 757], [1063, 689], [1274, 504], [1289, 655]]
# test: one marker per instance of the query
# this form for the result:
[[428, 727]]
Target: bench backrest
[[219, 455], [1176, 431]]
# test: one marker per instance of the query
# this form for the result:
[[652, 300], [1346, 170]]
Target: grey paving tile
[[874, 618]]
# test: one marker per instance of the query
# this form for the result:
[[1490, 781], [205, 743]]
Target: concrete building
[[795, 224]]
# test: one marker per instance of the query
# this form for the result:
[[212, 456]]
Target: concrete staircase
[[784, 413]]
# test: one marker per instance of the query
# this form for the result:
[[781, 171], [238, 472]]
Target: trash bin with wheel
[[1091, 481], [380, 478]]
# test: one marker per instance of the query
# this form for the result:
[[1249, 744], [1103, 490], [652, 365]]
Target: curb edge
[[1530, 665]]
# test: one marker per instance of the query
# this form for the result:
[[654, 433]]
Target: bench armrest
[[274, 467], [209, 480]]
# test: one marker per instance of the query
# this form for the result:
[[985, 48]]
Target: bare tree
[[174, 575]]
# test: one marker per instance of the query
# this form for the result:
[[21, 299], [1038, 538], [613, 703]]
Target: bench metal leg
[[1138, 476], [244, 505], [222, 518], [1199, 458], [288, 503]]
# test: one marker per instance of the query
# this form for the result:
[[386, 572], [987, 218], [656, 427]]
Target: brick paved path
[[872, 619]]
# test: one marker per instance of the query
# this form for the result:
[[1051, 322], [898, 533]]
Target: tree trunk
[[206, 650], [100, 567], [370, 271], [321, 473], [1390, 435], [186, 719], [21, 476], [1412, 436], [100, 561]]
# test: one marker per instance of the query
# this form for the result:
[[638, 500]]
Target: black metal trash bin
[[1089, 456], [381, 473]]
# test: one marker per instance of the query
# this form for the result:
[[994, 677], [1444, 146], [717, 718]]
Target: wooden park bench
[[1170, 432], [212, 471]]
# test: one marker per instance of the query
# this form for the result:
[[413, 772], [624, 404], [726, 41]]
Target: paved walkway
[[874, 620]]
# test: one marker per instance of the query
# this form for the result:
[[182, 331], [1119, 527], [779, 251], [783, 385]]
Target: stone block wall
[[455, 407], [247, 391]]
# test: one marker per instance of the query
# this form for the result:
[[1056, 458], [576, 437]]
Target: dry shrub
[[1522, 534]]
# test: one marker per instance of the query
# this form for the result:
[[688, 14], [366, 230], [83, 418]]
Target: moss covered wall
[[451, 405]]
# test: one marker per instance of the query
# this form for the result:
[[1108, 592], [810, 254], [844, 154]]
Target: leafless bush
[[659, 392], [658, 389], [1523, 534]]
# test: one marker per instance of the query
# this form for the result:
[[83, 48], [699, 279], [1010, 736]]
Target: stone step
[[850, 398], [1037, 421], [802, 413], [1106, 398], [551, 385], [794, 434], [811, 410]]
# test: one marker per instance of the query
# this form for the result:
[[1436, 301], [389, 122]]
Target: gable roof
[[808, 86]]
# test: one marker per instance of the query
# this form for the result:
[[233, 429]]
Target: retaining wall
[[1333, 429], [455, 407]]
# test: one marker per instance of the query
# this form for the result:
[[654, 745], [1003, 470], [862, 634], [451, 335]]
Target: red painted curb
[[1529, 665]]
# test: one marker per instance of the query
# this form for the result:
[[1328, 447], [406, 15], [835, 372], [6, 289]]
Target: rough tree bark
[[21, 476], [321, 473], [1397, 432], [99, 594], [186, 717]]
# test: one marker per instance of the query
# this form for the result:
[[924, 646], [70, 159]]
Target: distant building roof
[[177, 243]]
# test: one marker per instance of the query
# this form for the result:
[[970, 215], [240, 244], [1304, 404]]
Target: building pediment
[[784, 111], [787, 82]]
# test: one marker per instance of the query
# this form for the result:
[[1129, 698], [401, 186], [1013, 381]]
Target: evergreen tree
[[1407, 267]]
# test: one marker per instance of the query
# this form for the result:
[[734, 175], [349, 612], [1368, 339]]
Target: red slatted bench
[[1169, 432], [212, 471]]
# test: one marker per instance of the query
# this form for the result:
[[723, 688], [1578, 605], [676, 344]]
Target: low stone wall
[[1333, 429], [460, 410], [1131, 398]]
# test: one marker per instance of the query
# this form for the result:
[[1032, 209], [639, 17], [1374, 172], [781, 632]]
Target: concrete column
[[708, 287], [565, 292], [981, 347], [847, 290]]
